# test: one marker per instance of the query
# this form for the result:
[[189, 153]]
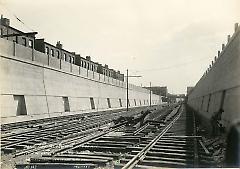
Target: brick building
[[86, 63], [54, 51], [29, 40], [162, 91], [15, 35]]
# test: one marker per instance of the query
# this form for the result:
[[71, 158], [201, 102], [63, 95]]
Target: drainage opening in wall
[[109, 103], [21, 105], [209, 100], [66, 104], [202, 103], [222, 99], [92, 103], [120, 102]]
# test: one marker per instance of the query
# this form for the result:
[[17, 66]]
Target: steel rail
[[65, 141], [25, 124], [46, 132], [79, 135], [88, 138], [134, 161], [60, 125], [96, 141], [141, 129], [196, 157], [54, 143]]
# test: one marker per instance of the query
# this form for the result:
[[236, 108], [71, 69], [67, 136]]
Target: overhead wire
[[16, 17], [134, 70], [168, 67]]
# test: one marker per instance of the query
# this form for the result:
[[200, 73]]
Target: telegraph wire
[[16, 17], [169, 67], [142, 70]]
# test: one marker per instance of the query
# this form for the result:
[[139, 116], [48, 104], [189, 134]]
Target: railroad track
[[13, 140], [43, 134], [177, 145], [166, 139], [6, 128]]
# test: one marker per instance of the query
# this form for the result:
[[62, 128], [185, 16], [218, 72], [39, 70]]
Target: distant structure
[[29, 40], [162, 91], [166, 97], [175, 98]]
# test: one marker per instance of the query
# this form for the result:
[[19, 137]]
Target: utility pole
[[127, 90], [150, 95], [127, 87]]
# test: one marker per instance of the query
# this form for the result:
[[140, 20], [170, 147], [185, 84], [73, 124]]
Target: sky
[[167, 42]]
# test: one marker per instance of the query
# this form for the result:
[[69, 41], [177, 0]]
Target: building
[[57, 51], [120, 76], [105, 70], [54, 51], [162, 91], [86, 63], [175, 98], [15, 35]]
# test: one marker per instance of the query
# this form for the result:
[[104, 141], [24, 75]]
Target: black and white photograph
[[119, 84]]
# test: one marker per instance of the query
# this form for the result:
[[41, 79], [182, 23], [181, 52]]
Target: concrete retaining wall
[[220, 87], [45, 82]]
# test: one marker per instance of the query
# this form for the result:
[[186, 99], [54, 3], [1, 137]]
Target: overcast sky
[[169, 42]]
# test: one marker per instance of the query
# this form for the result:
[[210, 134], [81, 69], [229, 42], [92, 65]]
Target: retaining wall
[[220, 87], [45, 83]]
